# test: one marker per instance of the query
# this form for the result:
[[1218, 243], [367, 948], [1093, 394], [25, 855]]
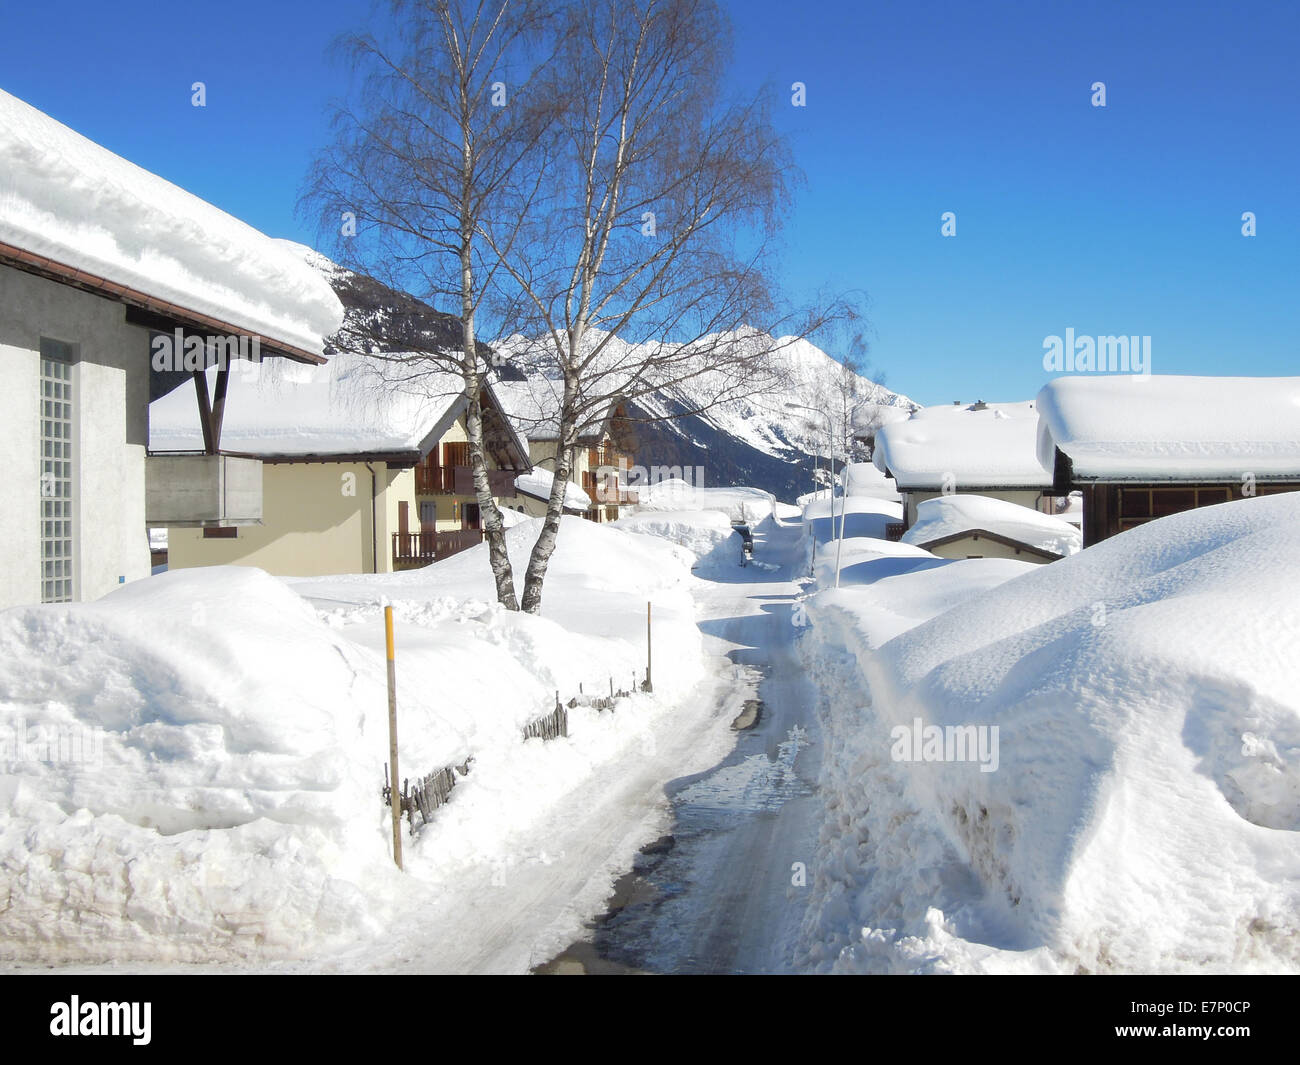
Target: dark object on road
[[746, 542]]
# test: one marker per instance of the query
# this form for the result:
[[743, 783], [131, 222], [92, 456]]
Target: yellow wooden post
[[395, 789]]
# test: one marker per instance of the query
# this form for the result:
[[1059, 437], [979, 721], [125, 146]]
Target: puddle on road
[[757, 783]]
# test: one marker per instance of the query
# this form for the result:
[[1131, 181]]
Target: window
[[58, 544], [231, 533]]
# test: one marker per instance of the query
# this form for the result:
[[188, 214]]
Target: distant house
[[115, 287], [989, 449], [605, 453], [974, 526], [362, 474], [1144, 446]]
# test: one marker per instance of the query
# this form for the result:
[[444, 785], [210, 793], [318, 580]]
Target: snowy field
[[1143, 808]]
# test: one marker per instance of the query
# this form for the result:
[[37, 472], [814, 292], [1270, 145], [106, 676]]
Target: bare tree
[[648, 262], [442, 146]]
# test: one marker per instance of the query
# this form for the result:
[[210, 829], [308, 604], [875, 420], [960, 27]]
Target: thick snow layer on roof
[[533, 407], [348, 406], [68, 199], [864, 479], [1144, 809], [995, 447], [953, 515], [1144, 426], [854, 516], [538, 484]]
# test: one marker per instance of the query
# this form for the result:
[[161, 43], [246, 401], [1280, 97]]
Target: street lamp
[[830, 430]]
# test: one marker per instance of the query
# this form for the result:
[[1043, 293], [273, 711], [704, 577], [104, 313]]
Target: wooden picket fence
[[427, 794], [434, 790]]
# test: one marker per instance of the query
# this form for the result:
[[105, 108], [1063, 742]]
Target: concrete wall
[[110, 381], [1025, 497], [316, 521]]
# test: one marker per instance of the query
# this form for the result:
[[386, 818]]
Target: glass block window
[[58, 572]]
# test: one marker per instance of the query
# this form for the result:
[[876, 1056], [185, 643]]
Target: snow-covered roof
[[349, 406], [863, 479], [538, 483], [1140, 427], [955, 515], [959, 448], [533, 406], [65, 198]]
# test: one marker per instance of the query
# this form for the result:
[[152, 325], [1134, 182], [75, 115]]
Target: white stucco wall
[[111, 397]]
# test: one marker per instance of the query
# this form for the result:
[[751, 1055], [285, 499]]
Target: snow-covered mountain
[[767, 441], [764, 441]]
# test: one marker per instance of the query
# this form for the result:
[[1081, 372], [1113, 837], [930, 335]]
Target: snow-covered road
[[723, 890]]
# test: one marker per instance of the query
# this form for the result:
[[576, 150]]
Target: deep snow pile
[[751, 505], [863, 479], [65, 197], [825, 519], [537, 483], [213, 789], [706, 534], [955, 515], [1144, 809]]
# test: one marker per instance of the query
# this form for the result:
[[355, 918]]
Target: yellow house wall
[[316, 521], [968, 547]]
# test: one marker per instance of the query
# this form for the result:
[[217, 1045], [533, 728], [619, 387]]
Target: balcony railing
[[615, 495], [421, 548], [459, 480], [607, 489], [607, 456]]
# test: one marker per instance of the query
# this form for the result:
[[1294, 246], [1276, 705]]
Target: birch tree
[[647, 264], [442, 145]]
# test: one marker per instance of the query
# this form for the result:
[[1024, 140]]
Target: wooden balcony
[[421, 548], [459, 480], [607, 490], [607, 456]]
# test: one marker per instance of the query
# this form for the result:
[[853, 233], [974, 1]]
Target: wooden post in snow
[[392, 736], [648, 686]]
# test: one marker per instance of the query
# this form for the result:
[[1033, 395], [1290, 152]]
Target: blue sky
[[1117, 220]]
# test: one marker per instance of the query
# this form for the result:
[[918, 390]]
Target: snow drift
[[224, 805], [1144, 814]]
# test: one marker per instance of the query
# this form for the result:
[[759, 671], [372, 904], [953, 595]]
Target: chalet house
[[1145, 446], [362, 473], [605, 454], [988, 449], [974, 526], [99, 260]]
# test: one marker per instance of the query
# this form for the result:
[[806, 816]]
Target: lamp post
[[830, 458]]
